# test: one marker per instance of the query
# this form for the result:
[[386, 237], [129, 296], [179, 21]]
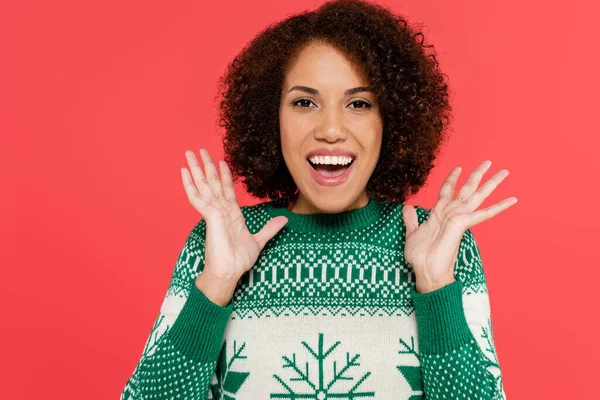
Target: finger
[[473, 182], [447, 190], [191, 191], [487, 213], [484, 191], [227, 181], [270, 229], [211, 173], [201, 184], [229, 190]]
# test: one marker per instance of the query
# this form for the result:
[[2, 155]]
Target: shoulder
[[422, 213], [198, 234], [255, 216], [469, 265], [396, 209]]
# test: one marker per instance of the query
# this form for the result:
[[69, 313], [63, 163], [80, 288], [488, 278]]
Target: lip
[[330, 181]]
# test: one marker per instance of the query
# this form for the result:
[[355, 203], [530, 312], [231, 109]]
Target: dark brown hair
[[411, 92]]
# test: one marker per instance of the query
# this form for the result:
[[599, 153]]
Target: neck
[[301, 205], [329, 222]]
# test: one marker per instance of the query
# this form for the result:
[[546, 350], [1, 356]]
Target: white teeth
[[334, 160]]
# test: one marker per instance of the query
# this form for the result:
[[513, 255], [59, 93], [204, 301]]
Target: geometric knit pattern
[[456, 372], [328, 311], [166, 373]]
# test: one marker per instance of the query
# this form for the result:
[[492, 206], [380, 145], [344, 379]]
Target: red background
[[100, 99]]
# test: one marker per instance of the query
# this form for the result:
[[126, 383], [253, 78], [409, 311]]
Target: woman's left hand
[[432, 248]]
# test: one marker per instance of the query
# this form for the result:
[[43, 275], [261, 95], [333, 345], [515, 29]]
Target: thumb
[[270, 229], [411, 220]]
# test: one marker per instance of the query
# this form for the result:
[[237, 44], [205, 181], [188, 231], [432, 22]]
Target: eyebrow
[[347, 92]]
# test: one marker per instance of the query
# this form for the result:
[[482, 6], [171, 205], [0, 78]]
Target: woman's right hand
[[230, 249]]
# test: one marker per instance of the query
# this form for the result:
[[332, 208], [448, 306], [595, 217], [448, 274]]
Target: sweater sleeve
[[180, 356], [454, 327]]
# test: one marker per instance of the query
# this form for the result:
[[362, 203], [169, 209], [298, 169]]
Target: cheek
[[377, 133], [293, 132], [288, 141], [371, 144], [285, 131], [289, 146], [287, 126], [370, 137]]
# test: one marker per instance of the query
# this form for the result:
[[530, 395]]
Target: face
[[328, 110]]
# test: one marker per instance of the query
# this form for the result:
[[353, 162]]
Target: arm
[[457, 351], [181, 352]]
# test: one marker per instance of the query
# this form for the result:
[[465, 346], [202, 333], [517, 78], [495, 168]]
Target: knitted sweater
[[328, 311]]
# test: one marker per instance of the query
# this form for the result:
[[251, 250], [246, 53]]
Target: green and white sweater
[[328, 311]]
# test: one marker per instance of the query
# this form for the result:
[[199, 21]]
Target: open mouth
[[330, 170]]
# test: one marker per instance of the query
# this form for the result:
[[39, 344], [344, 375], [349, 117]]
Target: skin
[[432, 248], [330, 119]]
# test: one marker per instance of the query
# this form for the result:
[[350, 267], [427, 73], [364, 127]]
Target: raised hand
[[230, 249], [432, 248]]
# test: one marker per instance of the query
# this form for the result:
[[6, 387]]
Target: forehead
[[321, 64]]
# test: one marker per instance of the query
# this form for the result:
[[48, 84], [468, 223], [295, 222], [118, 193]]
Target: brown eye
[[304, 101], [364, 103]]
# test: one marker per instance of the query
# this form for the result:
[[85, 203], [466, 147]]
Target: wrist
[[429, 285], [219, 291]]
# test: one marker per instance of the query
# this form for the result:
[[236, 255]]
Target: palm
[[230, 248], [228, 241], [432, 247], [434, 244]]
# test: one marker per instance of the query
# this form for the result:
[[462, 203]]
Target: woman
[[334, 288]]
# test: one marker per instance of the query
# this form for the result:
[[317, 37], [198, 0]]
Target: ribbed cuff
[[441, 322], [199, 328]]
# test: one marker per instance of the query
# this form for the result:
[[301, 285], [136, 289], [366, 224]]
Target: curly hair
[[387, 52]]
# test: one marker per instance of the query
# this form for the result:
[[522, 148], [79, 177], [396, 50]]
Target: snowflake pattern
[[322, 390], [412, 374], [228, 382]]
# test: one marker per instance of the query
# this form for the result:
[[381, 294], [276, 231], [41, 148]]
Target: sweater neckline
[[323, 222]]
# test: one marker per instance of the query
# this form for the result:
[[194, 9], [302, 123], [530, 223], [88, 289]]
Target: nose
[[332, 126]]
